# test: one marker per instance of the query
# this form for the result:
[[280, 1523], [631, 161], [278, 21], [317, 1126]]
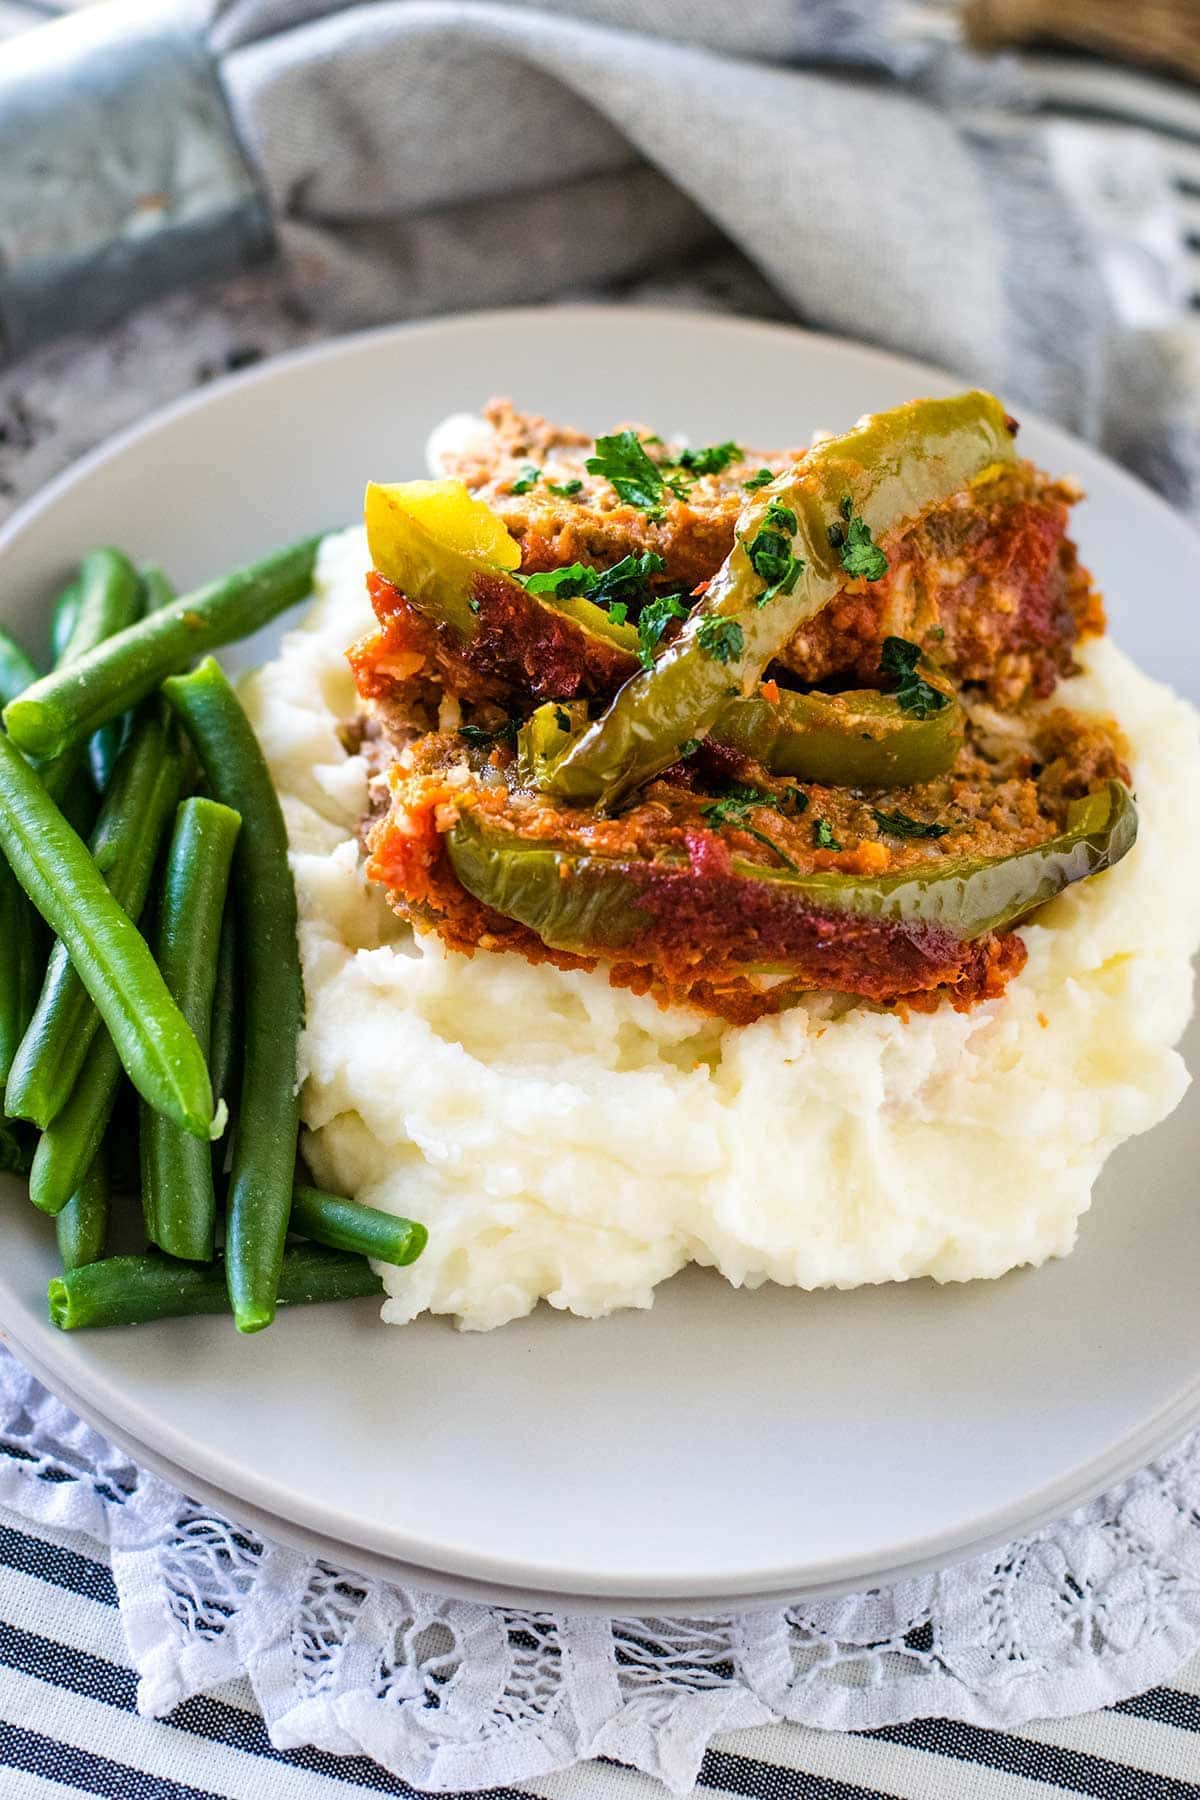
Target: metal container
[[121, 175]]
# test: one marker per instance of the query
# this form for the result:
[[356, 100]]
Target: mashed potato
[[568, 1141]]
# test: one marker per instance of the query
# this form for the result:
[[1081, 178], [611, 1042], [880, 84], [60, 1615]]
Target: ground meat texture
[[522, 652], [705, 928], [701, 936], [989, 584], [693, 536]]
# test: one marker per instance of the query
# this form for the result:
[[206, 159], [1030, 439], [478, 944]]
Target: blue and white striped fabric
[[69, 1725]]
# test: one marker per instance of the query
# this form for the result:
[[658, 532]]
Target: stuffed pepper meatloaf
[[738, 725], [715, 854]]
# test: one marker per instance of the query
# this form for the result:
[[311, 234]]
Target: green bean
[[157, 590], [264, 1149], [17, 672], [69, 1145], [70, 704], [82, 1225], [105, 746], [348, 1225], [22, 950], [132, 1290], [109, 600], [157, 1048], [133, 819], [177, 1173], [22, 959], [225, 1030], [105, 597], [62, 621]]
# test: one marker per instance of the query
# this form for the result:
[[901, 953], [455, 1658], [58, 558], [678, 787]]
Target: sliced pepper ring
[[860, 739], [826, 926], [431, 553], [885, 472]]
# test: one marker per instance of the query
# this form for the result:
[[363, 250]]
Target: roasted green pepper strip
[[441, 580], [862, 739], [883, 473], [591, 904]]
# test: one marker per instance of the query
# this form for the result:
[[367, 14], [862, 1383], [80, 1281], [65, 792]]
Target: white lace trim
[[448, 1695]]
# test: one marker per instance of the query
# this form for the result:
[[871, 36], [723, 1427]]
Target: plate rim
[[526, 1581]]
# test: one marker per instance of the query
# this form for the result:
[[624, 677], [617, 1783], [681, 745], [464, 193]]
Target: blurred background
[[1010, 188]]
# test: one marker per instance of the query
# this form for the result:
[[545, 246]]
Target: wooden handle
[[1165, 33]]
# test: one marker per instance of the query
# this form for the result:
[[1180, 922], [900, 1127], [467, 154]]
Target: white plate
[[725, 1446]]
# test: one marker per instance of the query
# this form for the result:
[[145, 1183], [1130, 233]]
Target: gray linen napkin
[[427, 155]]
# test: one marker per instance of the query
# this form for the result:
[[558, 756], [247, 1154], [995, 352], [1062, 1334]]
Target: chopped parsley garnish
[[690, 746], [771, 556], [626, 584], [769, 553], [900, 825], [733, 808], [721, 639], [760, 480], [823, 836], [564, 583], [562, 718], [529, 474], [780, 516], [564, 489], [622, 460], [710, 460], [786, 582], [656, 615], [860, 555], [481, 739], [898, 659]]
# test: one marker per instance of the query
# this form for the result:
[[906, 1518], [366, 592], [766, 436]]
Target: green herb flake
[[822, 835], [779, 517], [528, 476], [564, 583], [899, 824], [690, 746], [711, 459], [625, 585], [562, 718], [622, 460], [565, 490], [721, 639], [898, 660], [769, 553], [482, 739], [786, 582], [655, 616], [860, 555], [733, 808], [759, 480]]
